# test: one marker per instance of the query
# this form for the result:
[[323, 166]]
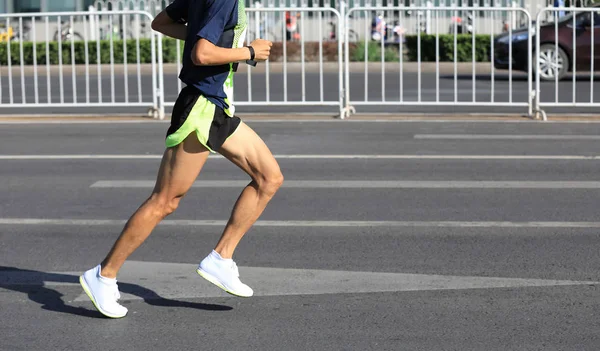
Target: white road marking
[[155, 280], [266, 223], [505, 137], [369, 184], [384, 117], [311, 156]]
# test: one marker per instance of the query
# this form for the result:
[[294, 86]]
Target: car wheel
[[553, 62]]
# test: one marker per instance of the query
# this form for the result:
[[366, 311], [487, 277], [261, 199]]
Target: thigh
[[249, 152], [180, 167]]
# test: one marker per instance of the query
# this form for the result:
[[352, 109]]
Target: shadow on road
[[32, 284]]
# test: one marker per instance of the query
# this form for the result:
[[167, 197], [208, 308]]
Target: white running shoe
[[224, 274], [103, 292]]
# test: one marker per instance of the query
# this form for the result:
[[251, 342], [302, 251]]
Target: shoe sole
[[88, 292], [211, 278]]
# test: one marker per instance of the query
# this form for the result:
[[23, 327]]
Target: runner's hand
[[262, 49]]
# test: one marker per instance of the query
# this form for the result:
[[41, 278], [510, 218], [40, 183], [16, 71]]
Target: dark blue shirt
[[223, 23]]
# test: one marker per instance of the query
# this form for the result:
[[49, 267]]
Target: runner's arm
[[206, 53], [166, 25]]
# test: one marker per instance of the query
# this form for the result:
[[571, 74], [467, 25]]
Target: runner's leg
[[179, 169], [248, 151]]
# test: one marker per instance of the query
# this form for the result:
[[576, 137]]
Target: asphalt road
[[402, 90], [494, 246]]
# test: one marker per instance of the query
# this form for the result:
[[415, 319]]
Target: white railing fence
[[406, 76], [58, 66], [291, 77], [566, 45], [344, 58]]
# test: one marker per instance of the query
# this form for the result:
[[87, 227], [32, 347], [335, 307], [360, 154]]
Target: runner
[[202, 121]]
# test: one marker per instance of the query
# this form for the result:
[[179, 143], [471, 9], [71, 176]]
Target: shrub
[[311, 49], [145, 52], [446, 48], [357, 52]]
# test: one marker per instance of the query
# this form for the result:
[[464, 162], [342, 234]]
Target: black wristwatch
[[251, 62]]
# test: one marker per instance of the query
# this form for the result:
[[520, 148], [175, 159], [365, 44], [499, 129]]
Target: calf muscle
[[246, 150]]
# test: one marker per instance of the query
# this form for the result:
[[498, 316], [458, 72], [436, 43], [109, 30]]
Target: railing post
[[538, 112], [93, 23], [161, 79], [513, 23], [343, 38], [428, 18], [257, 4]]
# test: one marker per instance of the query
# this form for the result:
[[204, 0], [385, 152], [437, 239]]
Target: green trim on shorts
[[199, 120]]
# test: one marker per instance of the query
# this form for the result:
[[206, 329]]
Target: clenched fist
[[262, 49]]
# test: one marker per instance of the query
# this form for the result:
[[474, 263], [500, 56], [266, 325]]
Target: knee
[[270, 183], [163, 206]]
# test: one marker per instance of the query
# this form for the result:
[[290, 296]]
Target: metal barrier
[[566, 44], [287, 79], [64, 46], [80, 59], [444, 82]]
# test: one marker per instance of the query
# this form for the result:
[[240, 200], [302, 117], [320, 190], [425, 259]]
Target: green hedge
[[464, 48], [357, 51], [373, 52], [169, 49], [428, 52]]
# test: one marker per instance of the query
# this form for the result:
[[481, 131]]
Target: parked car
[[554, 60]]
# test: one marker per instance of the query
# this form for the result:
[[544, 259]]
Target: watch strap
[[251, 62]]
